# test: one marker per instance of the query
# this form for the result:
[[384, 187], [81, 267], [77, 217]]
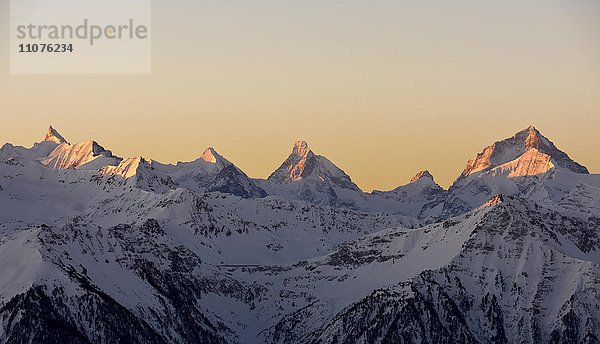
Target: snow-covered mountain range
[[95, 248]]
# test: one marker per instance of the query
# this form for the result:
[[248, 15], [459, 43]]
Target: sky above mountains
[[384, 89]]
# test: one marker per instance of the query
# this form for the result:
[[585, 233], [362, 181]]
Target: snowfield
[[95, 248]]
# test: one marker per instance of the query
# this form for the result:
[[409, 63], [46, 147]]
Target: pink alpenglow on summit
[[54, 136], [422, 174], [90, 243], [303, 164], [521, 146]]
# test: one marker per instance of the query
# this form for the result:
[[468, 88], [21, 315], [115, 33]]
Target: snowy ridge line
[[100, 249]]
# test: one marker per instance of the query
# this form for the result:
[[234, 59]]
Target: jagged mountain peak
[[211, 157], [127, 168], [303, 164], [413, 196], [420, 175], [79, 155], [139, 172], [301, 149], [526, 143], [214, 173], [138, 160], [96, 147], [531, 137], [532, 128], [53, 135], [94, 256], [296, 166], [534, 134]]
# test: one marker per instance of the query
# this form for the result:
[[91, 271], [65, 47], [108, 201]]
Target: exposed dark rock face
[[491, 292], [233, 181], [47, 316]]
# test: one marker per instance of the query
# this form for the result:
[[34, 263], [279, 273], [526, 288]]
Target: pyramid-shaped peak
[[502, 152], [53, 135], [531, 137], [213, 158], [534, 138], [210, 155], [96, 147], [420, 175], [303, 164]]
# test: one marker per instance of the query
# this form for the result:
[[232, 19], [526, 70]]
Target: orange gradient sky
[[382, 88]]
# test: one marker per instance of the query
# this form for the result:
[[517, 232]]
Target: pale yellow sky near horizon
[[382, 88]]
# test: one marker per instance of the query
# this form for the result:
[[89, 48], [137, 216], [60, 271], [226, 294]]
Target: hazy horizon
[[383, 89]]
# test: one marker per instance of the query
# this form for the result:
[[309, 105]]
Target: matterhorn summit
[[54, 136]]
